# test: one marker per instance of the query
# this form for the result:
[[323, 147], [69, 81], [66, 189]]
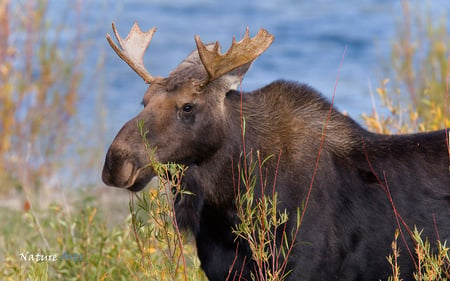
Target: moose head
[[184, 114]]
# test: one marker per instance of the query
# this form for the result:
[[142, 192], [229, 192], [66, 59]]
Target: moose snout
[[117, 171], [124, 169]]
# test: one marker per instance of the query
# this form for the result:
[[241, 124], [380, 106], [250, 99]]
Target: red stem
[[398, 217], [322, 141], [317, 162]]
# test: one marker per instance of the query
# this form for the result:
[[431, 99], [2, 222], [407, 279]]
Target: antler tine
[[133, 48], [240, 53]]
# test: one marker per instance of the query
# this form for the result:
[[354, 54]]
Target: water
[[310, 39]]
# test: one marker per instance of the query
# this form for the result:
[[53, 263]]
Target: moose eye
[[187, 108], [185, 113]]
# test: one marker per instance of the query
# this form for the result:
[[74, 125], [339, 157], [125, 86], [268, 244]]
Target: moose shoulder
[[364, 181]]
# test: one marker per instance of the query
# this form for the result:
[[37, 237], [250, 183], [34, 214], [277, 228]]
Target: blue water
[[310, 39]]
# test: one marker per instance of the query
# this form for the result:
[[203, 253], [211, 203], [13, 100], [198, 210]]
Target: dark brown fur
[[349, 223]]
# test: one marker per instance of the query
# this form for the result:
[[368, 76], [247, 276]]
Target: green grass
[[59, 242], [85, 247]]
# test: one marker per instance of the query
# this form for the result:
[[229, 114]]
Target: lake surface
[[310, 39]]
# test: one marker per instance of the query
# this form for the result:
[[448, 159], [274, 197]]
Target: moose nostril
[[127, 171], [117, 170]]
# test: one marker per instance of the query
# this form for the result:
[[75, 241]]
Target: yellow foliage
[[419, 72], [39, 89]]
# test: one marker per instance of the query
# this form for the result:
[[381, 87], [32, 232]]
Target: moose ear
[[234, 77]]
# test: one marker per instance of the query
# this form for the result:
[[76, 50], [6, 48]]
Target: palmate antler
[[239, 54], [133, 49]]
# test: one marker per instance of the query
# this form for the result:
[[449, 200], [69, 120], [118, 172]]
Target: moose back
[[364, 185]]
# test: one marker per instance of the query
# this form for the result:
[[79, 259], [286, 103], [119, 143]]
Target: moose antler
[[133, 49], [240, 53]]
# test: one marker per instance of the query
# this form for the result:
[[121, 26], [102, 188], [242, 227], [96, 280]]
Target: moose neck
[[273, 116], [283, 119]]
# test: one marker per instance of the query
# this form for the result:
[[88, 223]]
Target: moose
[[362, 189]]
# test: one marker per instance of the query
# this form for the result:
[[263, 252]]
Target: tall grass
[[40, 78], [77, 244], [263, 224], [40, 83], [415, 89]]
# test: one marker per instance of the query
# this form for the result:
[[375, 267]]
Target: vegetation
[[415, 94], [165, 252], [39, 82], [261, 221], [430, 265], [65, 245], [78, 240]]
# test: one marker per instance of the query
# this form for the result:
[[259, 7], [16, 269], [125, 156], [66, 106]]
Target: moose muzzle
[[124, 170]]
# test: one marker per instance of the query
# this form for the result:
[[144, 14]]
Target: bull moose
[[366, 185]]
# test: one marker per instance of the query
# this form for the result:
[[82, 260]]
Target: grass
[[83, 245]]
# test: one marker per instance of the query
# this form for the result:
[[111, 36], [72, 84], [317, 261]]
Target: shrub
[[40, 76], [418, 73], [262, 224], [166, 254]]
